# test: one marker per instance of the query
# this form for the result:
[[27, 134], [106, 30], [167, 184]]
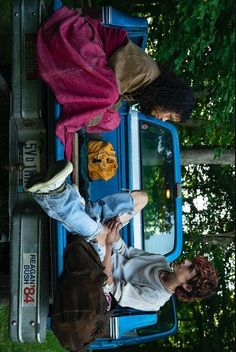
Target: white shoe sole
[[66, 171]]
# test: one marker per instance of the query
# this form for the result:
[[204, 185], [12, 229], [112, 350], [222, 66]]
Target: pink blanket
[[72, 59]]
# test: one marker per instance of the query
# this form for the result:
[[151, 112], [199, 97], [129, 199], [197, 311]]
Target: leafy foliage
[[197, 41], [214, 214], [212, 187]]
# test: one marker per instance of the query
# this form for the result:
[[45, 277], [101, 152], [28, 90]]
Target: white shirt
[[136, 278]]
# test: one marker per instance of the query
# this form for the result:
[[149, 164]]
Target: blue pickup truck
[[148, 156]]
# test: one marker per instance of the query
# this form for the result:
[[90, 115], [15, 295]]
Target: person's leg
[[68, 208], [63, 202], [123, 204], [140, 199]]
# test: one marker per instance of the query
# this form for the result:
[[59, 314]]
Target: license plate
[[30, 158]]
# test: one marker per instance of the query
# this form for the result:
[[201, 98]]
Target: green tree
[[197, 40]]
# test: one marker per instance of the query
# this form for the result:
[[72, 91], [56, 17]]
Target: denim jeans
[[68, 207]]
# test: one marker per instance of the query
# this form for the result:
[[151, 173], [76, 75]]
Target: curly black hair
[[167, 92]]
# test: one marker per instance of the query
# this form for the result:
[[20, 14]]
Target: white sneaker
[[54, 179]]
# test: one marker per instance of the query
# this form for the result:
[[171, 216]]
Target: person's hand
[[113, 231], [101, 238]]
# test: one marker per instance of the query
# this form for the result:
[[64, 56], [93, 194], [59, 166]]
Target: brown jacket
[[133, 68], [80, 308]]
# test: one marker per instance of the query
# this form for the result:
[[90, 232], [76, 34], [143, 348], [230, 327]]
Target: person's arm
[[108, 265], [141, 297], [120, 246], [112, 236], [108, 121]]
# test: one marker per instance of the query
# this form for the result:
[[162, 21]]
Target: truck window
[[157, 173]]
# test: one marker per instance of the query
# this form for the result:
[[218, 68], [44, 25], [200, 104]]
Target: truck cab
[[148, 157]]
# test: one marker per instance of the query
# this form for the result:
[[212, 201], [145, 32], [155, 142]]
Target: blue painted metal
[[61, 233], [131, 322], [120, 19], [127, 341], [136, 26], [56, 5]]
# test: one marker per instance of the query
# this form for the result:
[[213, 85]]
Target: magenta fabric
[[72, 59]]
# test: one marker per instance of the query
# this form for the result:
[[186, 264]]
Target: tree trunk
[[191, 123], [207, 156], [192, 156], [221, 236], [220, 239]]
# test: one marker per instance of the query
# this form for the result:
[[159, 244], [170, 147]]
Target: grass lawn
[[6, 345]]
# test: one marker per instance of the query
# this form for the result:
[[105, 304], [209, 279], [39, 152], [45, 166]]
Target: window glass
[[157, 168]]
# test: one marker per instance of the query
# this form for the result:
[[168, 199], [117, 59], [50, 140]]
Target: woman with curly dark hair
[[92, 68], [167, 97]]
